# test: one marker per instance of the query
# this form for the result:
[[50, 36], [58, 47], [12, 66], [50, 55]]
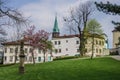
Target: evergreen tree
[[109, 8]]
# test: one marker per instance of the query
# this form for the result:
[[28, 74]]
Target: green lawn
[[96, 69]]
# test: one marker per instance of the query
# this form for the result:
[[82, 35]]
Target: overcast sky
[[42, 13]]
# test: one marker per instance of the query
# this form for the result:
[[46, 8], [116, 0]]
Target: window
[[86, 50], [66, 49], [78, 50], [39, 59], [55, 42], [16, 50], [77, 42], [39, 50], [11, 50], [99, 50], [11, 58], [96, 42], [30, 50], [5, 58], [59, 50], [49, 58], [5, 50], [59, 42], [96, 50], [99, 42], [56, 51], [17, 58], [66, 41], [102, 42], [30, 58], [26, 50]]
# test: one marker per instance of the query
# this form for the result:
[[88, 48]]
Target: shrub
[[114, 53], [5, 65], [64, 58]]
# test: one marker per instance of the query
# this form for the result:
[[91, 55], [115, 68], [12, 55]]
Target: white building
[[12, 49], [68, 45]]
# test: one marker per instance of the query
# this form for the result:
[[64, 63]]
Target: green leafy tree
[[109, 8], [93, 27]]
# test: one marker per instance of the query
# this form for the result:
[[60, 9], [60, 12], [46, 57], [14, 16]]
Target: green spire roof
[[56, 29]]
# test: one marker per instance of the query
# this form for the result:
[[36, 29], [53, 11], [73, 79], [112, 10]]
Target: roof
[[68, 36], [115, 30], [14, 43], [59, 37], [77, 35], [56, 29]]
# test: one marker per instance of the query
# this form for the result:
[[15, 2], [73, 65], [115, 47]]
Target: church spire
[[56, 30]]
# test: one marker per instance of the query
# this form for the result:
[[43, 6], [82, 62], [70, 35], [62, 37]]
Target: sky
[[42, 13]]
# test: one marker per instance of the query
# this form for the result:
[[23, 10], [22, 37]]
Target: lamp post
[[22, 58]]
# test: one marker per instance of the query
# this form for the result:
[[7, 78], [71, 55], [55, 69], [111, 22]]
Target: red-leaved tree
[[36, 39]]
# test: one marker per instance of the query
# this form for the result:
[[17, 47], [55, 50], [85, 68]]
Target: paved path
[[117, 57]]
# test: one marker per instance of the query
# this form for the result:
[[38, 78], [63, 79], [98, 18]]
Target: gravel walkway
[[116, 57]]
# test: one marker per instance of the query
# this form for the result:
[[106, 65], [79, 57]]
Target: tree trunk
[[44, 56], [92, 47], [33, 56], [82, 44], [16, 52], [80, 39], [15, 59]]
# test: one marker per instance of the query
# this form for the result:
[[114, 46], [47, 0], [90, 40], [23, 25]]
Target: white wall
[[70, 45], [28, 54]]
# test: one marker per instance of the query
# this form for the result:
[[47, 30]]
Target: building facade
[[12, 51], [116, 43], [68, 45], [116, 36]]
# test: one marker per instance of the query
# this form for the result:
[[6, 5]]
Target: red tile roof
[[68, 36], [14, 43]]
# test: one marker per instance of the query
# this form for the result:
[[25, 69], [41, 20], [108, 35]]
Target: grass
[[79, 69]]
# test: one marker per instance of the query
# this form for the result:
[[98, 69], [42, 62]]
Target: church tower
[[56, 30], [116, 36]]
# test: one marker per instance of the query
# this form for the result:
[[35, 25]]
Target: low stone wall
[[119, 50]]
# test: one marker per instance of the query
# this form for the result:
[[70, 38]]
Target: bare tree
[[78, 18], [11, 17], [2, 34]]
